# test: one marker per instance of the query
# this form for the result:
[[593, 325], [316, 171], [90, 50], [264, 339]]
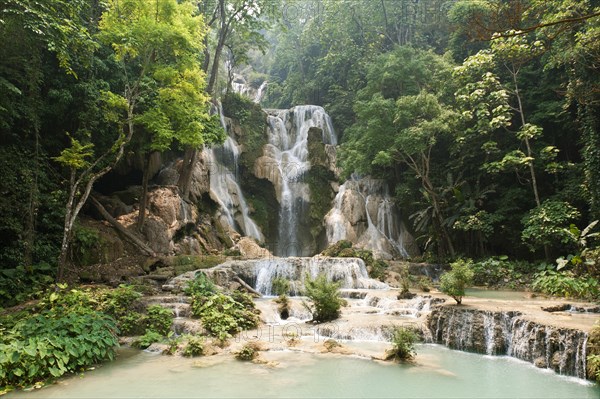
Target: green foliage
[[20, 283], [223, 316], [593, 364], [253, 123], [545, 225], [403, 345], [593, 359], [194, 262], [280, 286], [499, 271], [455, 281], [566, 284], [148, 339], [248, 352], [194, 347], [378, 269], [335, 249], [64, 334], [200, 286], [232, 252], [324, 297], [159, 319]]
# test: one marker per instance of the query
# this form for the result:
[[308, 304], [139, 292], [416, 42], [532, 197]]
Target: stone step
[[162, 299], [187, 325]]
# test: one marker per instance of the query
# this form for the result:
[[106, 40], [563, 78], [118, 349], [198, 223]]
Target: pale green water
[[497, 294], [443, 373]]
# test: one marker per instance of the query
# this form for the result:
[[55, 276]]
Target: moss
[[187, 263], [321, 195], [262, 199], [253, 123], [335, 249]]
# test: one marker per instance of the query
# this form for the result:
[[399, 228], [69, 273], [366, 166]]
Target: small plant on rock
[[248, 352], [455, 281], [403, 345], [200, 286], [159, 319], [147, 339], [325, 299], [194, 347]]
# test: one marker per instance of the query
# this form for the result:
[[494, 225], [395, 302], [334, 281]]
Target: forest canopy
[[483, 116]]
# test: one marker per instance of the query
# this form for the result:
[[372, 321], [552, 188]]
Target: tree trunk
[[185, 178], [144, 196], [67, 230], [119, 227], [222, 35]]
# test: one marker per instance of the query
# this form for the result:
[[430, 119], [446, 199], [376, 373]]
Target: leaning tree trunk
[[185, 177], [121, 229], [144, 196]]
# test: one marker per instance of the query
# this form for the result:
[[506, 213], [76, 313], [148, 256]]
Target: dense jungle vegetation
[[482, 115]]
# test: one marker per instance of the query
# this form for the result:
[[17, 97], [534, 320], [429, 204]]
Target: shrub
[[335, 249], [280, 286], [325, 298], [159, 319], [194, 347], [545, 224], [566, 284], [248, 352], [52, 343], [593, 359], [201, 286], [378, 269], [147, 339], [118, 304], [403, 345], [499, 271], [454, 282], [132, 323], [223, 316]]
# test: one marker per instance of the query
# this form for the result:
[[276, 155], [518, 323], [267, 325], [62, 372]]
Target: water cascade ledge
[[259, 274], [509, 333]]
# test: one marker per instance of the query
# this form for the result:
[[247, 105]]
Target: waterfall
[[260, 93], [351, 273], [288, 144], [224, 184], [364, 213], [241, 87], [509, 333]]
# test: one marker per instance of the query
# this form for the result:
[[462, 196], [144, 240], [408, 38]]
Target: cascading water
[[288, 144], [224, 185], [364, 213], [349, 272], [511, 334], [241, 87]]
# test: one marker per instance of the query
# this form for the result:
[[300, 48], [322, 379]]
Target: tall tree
[[156, 44]]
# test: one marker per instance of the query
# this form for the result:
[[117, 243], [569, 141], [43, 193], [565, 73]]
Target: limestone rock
[[251, 250]]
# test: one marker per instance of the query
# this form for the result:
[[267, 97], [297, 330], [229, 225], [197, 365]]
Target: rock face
[[173, 226], [509, 333], [364, 214]]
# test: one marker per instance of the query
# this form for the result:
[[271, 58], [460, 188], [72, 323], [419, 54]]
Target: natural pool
[[440, 373]]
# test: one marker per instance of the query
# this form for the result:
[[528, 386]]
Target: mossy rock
[[347, 253], [252, 121], [334, 249]]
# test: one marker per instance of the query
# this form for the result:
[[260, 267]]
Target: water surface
[[441, 373]]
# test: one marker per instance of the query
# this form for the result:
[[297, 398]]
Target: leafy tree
[[455, 281], [545, 225], [325, 298]]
